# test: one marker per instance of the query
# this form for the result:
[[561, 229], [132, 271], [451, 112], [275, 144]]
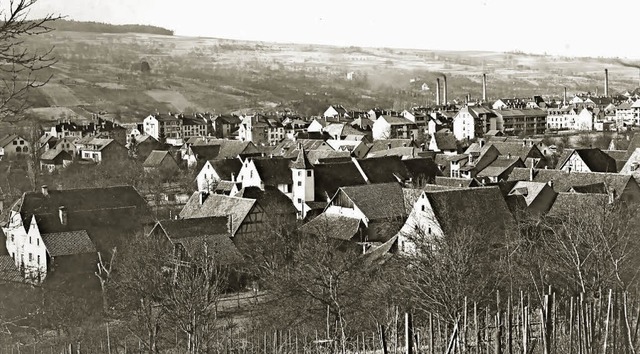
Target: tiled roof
[[578, 204], [274, 171], [422, 169], [529, 190], [563, 181], [329, 177], [410, 152], [219, 246], [385, 144], [459, 209], [8, 270], [68, 243], [499, 166], [595, 159], [455, 182], [227, 149], [411, 196], [7, 139], [226, 167], [271, 199], [445, 140], [333, 226], [377, 201], [52, 154], [301, 162], [397, 120], [596, 188], [218, 205], [206, 152], [155, 158], [323, 156], [183, 228], [513, 148], [384, 169]]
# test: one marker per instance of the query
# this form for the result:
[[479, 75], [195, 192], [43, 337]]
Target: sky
[[559, 27]]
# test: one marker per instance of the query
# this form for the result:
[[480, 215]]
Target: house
[[13, 145], [538, 196], [587, 206], [67, 144], [443, 141], [336, 226], [101, 150], [584, 120], [47, 142], [499, 169], [624, 187], [437, 214], [316, 126], [586, 160], [262, 172], [303, 186], [252, 211], [422, 170], [261, 130], [200, 150], [473, 121], [189, 238], [384, 169], [53, 159], [329, 177], [141, 146], [224, 126], [215, 171], [390, 127], [521, 121], [387, 144], [357, 149], [289, 148], [160, 162], [61, 230], [335, 112], [198, 125], [380, 207]]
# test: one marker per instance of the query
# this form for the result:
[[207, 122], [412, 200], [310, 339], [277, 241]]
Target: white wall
[[381, 129], [421, 223], [151, 127]]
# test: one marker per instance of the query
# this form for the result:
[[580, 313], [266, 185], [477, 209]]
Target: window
[[15, 142], [299, 200], [38, 241], [12, 239], [38, 259], [30, 257], [309, 173], [250, 174], [423, 207], [21, 142], [29, 239], [299, 183], [429, 231], [299, 173]]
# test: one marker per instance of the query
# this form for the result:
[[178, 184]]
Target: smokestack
[[606, 82], [444, 92], [564, 101], [468, 98], [62, 213], [484, 87], [437, 91]]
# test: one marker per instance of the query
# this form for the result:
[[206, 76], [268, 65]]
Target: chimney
[[564, 101], [233, 177], [229, 224], [203, 197], [388, 146], [45, 190], [437, 91], [550, 184], [606, 82], [62, 212], [444, 90], [531, 174], [484, 87], [468, 98], [612, 196]]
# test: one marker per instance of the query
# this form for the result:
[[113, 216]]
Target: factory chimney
[[437, 91], [606, 82], [444, 90], [564, 100], [484, 87]]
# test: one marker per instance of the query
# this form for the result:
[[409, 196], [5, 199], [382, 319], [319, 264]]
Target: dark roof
[[8, 270], [333, 226], [301, 162], [384, 144], [445, 140], [378, 201], [183, 228], [68, 243], [500, 166], [52, 154], [155, 158], [82, 200], [206, 152], [274, 171], [329, 177], [563, 181], [226, 167], [634, 144], [422, 168], [459, 209], [595, 159], [596, 188], [578, 204], [226, 149], [513, 148], [219, 246], [272, 200], [5, 140], [218, 205], [384, 169], [455, 182]]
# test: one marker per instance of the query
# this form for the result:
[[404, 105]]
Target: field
[[99, 72]]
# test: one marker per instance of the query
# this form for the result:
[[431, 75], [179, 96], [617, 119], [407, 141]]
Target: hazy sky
[[566, 27]]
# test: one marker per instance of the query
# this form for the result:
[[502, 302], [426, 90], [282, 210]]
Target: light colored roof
[[377, 201], [333, 226], [529, 190], [218, 205]]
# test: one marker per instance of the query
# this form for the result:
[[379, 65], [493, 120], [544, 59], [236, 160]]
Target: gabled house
[[160, 162], [215, 171], [141, 146], [225, 125], [67, 144], [438, 214], [623, 187], [336, 226], [101, 150], [53, 159], [443, 141], [199, 150], [13, 145], [383, 169], [586, 160], [380, 207], [61, 230], [387, 144], [189, 238], [262, 172], [357, 149], [390, 127], [499, 169], [335, 112], [538, 196], [261, 130]]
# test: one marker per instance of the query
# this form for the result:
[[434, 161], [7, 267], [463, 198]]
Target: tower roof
[[301, 162]]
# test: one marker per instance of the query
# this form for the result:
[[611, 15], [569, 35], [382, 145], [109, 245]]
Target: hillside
[[100, 72], [98, 27]]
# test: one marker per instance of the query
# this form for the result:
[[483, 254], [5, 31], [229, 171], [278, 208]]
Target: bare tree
[[20, 65]]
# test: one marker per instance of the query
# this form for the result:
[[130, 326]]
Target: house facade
[[13, 145]]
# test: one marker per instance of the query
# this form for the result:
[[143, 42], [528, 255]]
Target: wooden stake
[[408, 333]]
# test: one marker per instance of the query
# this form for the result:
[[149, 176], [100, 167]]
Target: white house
[[303, 183], [464, 125], [274, 172], [151, 127], [388, 127], [26, 247], [335, 111], [584, 120]]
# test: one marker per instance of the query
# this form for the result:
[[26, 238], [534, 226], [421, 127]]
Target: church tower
[[303, 181]]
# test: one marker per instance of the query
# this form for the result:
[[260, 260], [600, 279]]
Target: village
[[381, 182]]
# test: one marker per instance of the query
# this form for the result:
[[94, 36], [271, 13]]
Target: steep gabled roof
[[459, 209], [563, 181], [333, 226], [301, 162], [377, 201], [52, 154], [499, 166], [7, 139], [155, 158], [445, 140], [384, 169], [274, 171], [595, 159], [218, 205], [68, 243], [329, 177], [184, 228], [529, 190], [422, 168], [226, 167]]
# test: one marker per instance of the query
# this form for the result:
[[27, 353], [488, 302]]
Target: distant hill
[[98, 27]]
